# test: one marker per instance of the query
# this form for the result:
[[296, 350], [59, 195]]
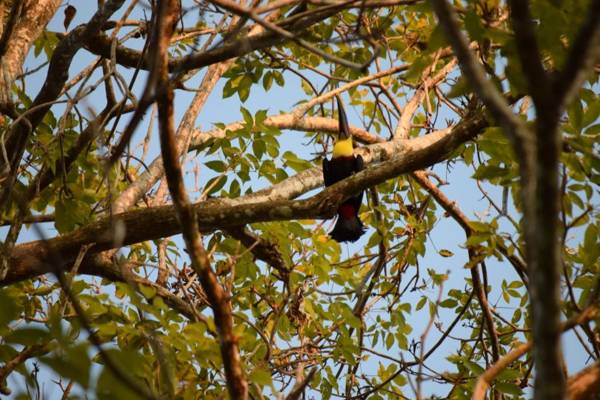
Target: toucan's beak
[[343, 120]]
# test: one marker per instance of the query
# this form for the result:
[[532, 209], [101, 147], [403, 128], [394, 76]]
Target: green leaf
[[467, 154], [584, 282], [416, 69], [234, 188], [517, 316], [460, 88], [107, 331], [267, 80], [575, 112], [278, 78], [229, 89], [489, 172], [389, 341], [244, 88], [449, 303], [480, 227], [131, 363], [474, 26], [260, 117], [261, 376], [509, 388], [247, 117], [69, 213], [215, 184], [437, 279], [496, 144], [8, 309], [294, 162], [147, 291], [445, 253], [72, 363], [475, 368], [590, 240], [437, 39], [27, 336], [514, 73], [259, 148], [216, 165]]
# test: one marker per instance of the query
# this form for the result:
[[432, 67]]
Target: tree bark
[[585, 384], [30, 19]]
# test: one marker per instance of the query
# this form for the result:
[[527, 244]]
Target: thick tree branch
[[296, 119], [187, 217], [529, 55], [585, 384], [8, 29], [538, 157], [29, 22], [286, 122], [30, 259], [542, 204]]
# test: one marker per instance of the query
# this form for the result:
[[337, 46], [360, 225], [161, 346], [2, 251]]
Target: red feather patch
[[347, 211]]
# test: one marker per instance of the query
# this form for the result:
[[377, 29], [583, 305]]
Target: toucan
[[343, 163]]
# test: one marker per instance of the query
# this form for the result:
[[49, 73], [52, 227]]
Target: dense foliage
[[98, 294]]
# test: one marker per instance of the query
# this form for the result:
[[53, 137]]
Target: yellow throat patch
[[343, 148]]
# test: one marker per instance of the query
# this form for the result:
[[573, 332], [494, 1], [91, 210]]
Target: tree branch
[[585, 384], [101, 44], [261, 248], [10, 365], [29, 23], [30, 259], [15, 12], [187, 217], [249, 13], [463, 221], [529, 55], [300, 387], [487, 378]]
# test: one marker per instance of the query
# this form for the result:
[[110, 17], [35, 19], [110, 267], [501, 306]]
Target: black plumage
[[348, 227]]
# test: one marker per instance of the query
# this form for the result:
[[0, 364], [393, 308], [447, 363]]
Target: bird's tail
[[347, 228]]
